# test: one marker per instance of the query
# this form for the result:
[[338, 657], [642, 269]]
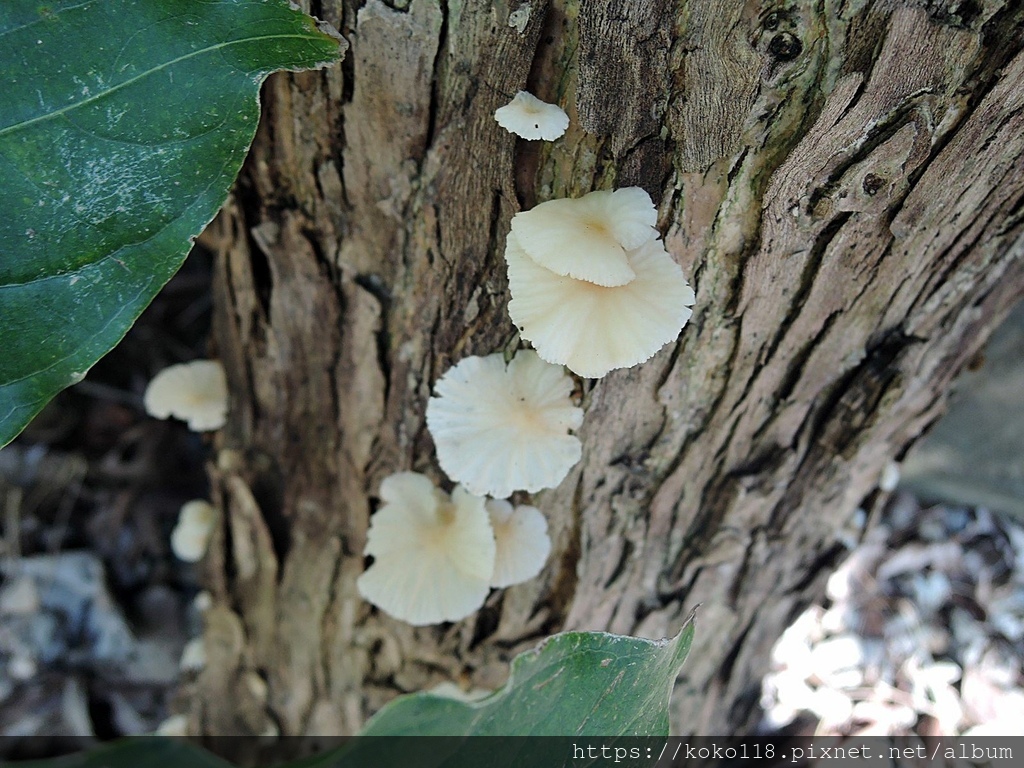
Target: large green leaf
[[122, 126], [575, 683], [575, 691]]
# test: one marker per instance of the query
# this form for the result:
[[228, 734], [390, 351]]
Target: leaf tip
[[684, 638], [327, 29]]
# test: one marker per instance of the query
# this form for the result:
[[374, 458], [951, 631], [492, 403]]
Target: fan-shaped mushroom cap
[[433, 555], [195, 392], [498, 429], [588, 238], [530, 118], [523, 546], [592, 329]]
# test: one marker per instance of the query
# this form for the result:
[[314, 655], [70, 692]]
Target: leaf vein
[[141, 76]]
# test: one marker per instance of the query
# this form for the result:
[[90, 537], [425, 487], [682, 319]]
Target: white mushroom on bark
[[433, 554], [523, 546], [195, 392], [588, 238], [530, 118], [500, 429], [592, 329]]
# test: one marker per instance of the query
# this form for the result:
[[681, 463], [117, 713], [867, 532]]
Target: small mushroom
[[195, 392], [499, 429], [191, 536], [890, 477], [433, 555], [530, 118], [588, 238], [593, 329], [521, 537], [193, 656]]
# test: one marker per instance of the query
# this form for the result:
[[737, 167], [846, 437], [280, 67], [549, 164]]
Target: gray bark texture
[[841, 180]]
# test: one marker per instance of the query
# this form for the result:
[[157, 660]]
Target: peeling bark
[[842, 181]]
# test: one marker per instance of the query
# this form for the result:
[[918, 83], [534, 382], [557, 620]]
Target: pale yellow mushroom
[[194, 392], [433, 554], [521, 537], [191, 536], [530, 118], [588, 238], [500, 429], [592, 329]]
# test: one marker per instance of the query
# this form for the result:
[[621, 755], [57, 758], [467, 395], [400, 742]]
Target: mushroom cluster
[[593, 287], [437, 556], [498, 428]]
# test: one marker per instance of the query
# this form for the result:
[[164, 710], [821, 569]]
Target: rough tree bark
[[842, 181]]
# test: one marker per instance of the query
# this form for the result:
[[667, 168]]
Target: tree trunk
[[842, 181]]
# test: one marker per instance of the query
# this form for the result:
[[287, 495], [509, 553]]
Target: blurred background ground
[[95, 611], [922, 631]]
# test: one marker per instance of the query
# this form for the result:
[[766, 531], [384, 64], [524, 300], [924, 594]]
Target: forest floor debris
[[922, 633]]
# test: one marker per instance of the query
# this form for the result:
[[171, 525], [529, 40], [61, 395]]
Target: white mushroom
[[592, 329], [195, 392], [433, 555], [498, 429], [890, 477], [191, 535], [523, 546], [203, 601], [193, 655], [589, 237], [529, 117]]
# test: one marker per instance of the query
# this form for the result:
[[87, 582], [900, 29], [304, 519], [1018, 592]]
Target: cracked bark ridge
[[842, 182]]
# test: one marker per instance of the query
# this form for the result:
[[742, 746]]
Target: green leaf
[[147, 752], [122, 126], [573, 684]]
